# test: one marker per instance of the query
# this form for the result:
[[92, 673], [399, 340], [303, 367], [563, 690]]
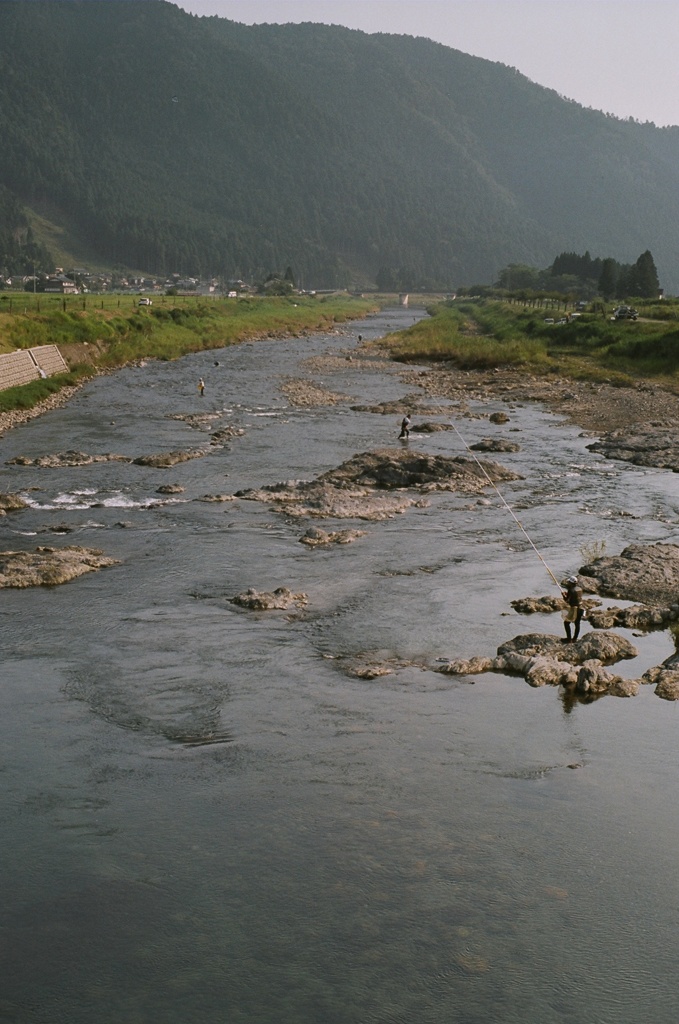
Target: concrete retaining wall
[[24, 365]]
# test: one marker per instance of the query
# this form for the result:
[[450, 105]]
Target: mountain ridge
[[173, 142]]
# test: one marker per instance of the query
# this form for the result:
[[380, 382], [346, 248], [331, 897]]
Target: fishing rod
[[508, 507]]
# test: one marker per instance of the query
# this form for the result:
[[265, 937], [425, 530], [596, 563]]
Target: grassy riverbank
[[487, 334], [102, 332]]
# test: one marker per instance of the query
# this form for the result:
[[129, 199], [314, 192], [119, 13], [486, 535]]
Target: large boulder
[[665, 678], [543, 671], [11, 503], [498, 444], [280, 599], [593, 678], [605, 647]]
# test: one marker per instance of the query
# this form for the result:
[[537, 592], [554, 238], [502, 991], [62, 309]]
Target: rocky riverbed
[[239, 775]]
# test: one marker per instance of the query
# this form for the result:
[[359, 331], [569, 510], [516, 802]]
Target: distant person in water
[[405, 426], [573, 613], [201, 386]]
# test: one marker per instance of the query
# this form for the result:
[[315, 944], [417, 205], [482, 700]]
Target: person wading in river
[[574, 611], [405, 426]]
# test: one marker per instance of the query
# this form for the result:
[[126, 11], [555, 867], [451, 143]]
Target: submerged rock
[[280, 599], [164, 460], [197, 420], [499, 444], [48, 567], [315, 537], [532, 605], [63, 459], [370, 671], [498, 417], [414, 404], [356, 488], [641, 572], [225, 434], [305, 394], [429, 428], [170, 489]]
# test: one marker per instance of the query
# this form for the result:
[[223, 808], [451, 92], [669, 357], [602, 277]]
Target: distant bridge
[[29, 364]]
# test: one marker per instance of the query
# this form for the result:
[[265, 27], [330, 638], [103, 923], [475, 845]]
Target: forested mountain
[[163, 142]]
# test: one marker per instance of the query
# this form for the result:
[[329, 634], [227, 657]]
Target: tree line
[[585, 277]]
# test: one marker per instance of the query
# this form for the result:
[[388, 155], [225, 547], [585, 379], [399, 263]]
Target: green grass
[[116, 330], [470, 337], [29, 395], [481, 335]]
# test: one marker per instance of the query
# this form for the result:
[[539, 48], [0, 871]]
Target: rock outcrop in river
[[11, 503], [494, 444], [641, 572], [47, 567], [280, 599], [654, 445], [543, 660], [164, 460], [62, 459], [364, 486], [315, 537]]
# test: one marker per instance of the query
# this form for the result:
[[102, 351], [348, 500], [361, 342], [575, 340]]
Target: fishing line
[[508, 507]]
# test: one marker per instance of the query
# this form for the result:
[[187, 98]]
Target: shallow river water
[[206, 819]]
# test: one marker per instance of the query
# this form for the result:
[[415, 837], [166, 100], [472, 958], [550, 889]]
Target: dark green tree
[[289, 276], [608, 278], [646, 281]]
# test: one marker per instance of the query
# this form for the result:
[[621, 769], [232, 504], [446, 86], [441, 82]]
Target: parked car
[[625, 313], [145, 302]]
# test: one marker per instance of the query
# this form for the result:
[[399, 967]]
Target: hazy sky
[[620, 56]]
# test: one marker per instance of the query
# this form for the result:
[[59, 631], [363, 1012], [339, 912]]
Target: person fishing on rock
[[405, 426], [574, 611]]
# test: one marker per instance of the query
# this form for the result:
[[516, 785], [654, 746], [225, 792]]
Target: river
[[206, 819]]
